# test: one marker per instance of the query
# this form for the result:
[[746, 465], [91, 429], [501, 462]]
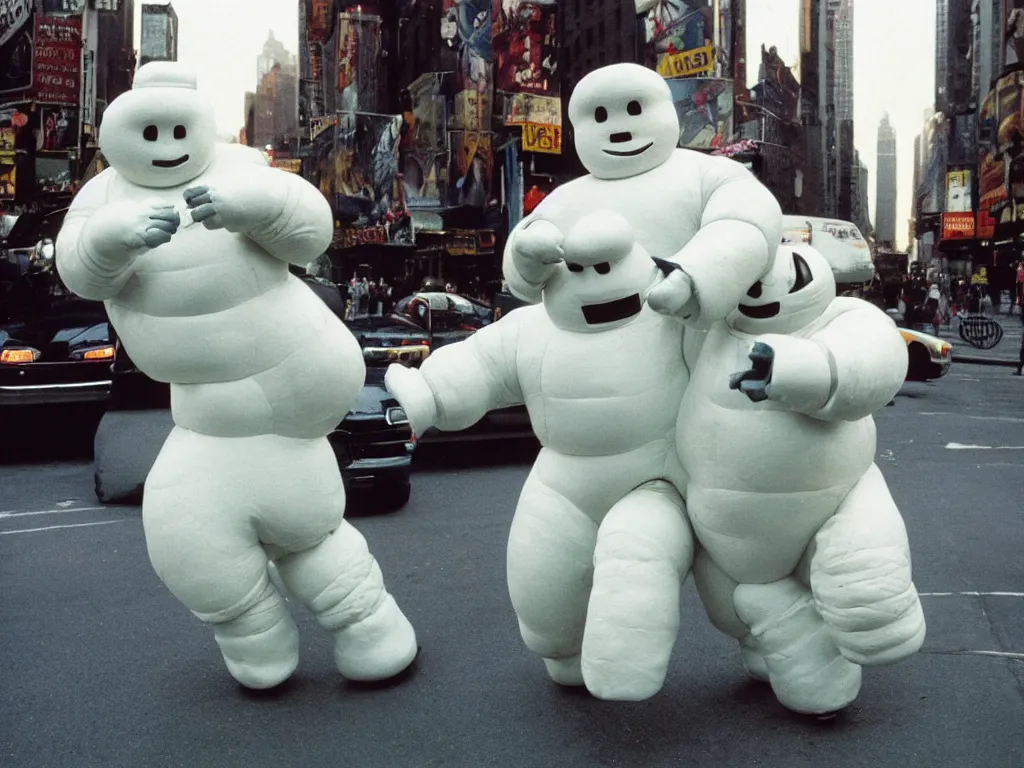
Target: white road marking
[[970, 594], [62, 511], [56, 527], [966, 447], [1011, 419], [1000, 654]]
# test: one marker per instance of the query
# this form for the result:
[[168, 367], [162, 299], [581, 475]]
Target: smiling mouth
[[762, 311], [611, 311], [630, 153], [171, 163]]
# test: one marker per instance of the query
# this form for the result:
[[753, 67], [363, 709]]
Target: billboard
[[16, 59], [992, 192], [523, 108], [704, 106], [317, 27], [423, 151], [778, 91], [958, 190], [14, 15], [357, 164], [57, 59], [466, 27], [358, 63], [678, 27], [525, 46], [1013, 33], [7, 155], [59, 128], [472, 167], [957, 226]]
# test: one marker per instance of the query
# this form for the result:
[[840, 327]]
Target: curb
[[970, 360]]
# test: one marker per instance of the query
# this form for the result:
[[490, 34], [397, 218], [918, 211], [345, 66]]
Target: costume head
[[624, 121], [603, 281], [162, 132], [799, 287]]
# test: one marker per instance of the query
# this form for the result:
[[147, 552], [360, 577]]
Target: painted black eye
[[804, 276], [600, 114], [150, 133], [574, 267], [180, 132], [603, 268], [634, 108]]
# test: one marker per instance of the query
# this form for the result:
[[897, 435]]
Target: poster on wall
[[367, 195], [958, 190], [1008, 104], [7, 167], [525, 46], [678, 27], [57, 57], [1013, 33], [546, 139], [704, 107], [316, 59], [466, 28], [358, 63], [472, 167], [59, 129], [423, 151]]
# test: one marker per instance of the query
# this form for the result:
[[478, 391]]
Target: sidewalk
[[1006, 352]]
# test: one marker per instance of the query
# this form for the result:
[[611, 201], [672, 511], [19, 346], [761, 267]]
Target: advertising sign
[[778, 90], [59, 128], [57, 67], [958, 190], [423, 151], [542, 138], [14, 14], [1013, 33], [16, 61], [1008, 103], [365, 189], [957, 226], [522, 108], [7, 170], [700, 61], [466, 28], [88, 115], [680, 25], [472, 168], [358, 61], [704, 106], [525, 46]]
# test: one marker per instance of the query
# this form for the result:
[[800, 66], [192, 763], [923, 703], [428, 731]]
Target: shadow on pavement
[[45, 434], [466, 455]]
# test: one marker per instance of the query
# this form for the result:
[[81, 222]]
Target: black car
[[55, 348], [373, 443]]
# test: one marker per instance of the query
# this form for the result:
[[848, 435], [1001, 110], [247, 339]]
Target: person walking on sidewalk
[[1020, 364]]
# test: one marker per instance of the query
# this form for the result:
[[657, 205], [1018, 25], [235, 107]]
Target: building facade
[[275, 104], [885, 186], [159, 33]]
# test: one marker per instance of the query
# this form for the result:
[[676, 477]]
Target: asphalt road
[[99, 666]]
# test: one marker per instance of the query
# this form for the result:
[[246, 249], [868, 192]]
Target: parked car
[[373, 443], [55, 348]]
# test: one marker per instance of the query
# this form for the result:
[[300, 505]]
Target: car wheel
[[919, 362]]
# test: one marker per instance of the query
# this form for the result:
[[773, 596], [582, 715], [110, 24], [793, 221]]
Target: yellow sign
[[542, 138], [289, 164], [693, 63], [980, 277]]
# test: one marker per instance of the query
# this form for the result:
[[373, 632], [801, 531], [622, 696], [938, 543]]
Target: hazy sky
[[894, 67]]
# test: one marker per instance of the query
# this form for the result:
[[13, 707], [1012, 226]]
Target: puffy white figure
[[709, 215], [599, 545], [260, 372], [803, 555]]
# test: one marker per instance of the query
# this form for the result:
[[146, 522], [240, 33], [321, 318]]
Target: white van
[[838, 241]]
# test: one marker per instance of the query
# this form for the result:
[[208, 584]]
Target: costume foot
[[565, 671], [378, 647], [260, 661]]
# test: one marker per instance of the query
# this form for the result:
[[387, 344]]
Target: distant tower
[[885, 190]]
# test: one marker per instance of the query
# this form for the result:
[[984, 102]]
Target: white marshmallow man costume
[[261, 371], [803, 554], [599, 546], [707, 214]]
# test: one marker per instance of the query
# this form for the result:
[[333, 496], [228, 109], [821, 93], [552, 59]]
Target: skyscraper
[[276, 108], [885, 189], [843, 10], [941, 54], [841, 13]]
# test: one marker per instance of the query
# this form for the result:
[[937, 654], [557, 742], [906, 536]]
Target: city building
[[159, 33], [276, 103], [941, 54], [861, 214], [815, 53], [845, 173], [885, 184]]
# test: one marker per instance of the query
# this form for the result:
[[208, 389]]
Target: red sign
[[986, 226], [957, 226], [58, 55]]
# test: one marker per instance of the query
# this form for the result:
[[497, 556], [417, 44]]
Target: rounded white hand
[[120, 230], [158, 224], [537, 249], [672, 294], [413, 393], [239, 205]]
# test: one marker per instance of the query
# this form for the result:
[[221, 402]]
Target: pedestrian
[[1020, 363]]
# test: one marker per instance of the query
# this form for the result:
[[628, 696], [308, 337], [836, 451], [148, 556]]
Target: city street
[[100, 666]]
